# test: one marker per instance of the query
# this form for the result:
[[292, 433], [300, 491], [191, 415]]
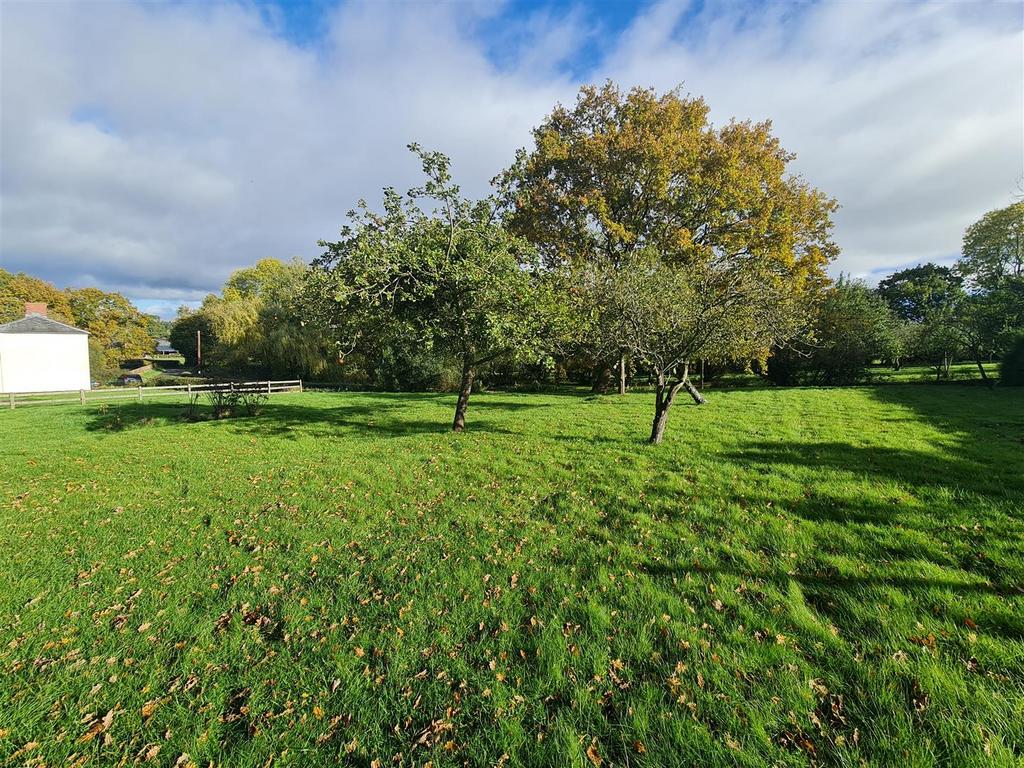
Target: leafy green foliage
[[183, 336], [117, 329], [993, 249], [805, 577], [689, 241], [453, 278], [17, 289], [853, 326], [256, 324], [259, 321], [1011, 370], [991, 316], [919, 293]]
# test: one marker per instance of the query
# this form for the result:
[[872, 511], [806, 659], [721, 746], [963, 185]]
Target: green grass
[[794, 577], [960, 372]]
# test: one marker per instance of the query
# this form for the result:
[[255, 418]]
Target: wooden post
[[300, 385], [702, 373], [268, 389], [81, 396], [188, 384], [140, 393], [11, 396]]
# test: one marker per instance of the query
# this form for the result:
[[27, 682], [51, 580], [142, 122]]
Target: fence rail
[[84, 396]]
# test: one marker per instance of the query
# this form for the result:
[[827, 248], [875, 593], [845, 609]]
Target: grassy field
[[794, 577], [961, 372]]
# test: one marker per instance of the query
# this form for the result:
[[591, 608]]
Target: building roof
[[38, 324]]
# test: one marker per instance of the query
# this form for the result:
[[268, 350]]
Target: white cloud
[[153, 149], [912, 115]]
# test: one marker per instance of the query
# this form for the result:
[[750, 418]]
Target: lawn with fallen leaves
[[795, 577]]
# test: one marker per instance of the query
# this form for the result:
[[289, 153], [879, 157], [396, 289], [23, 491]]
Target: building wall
[[44, 362]]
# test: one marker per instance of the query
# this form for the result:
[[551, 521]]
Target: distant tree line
[[632, 244], [928, 314]]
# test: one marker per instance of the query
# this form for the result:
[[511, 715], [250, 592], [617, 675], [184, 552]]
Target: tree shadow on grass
[[875, 517], [488, 403], [962, 511], [828, 581], [377, 414], [296, 425], [983, 456], [119, 417], [968, 473]]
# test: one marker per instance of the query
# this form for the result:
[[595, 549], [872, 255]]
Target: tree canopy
[[452, 276], [993, 248], [18, 288], [695, 240], [117, 329], [916, 293], [256, 323]]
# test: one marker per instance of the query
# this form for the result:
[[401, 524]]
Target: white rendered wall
[[44, 362]]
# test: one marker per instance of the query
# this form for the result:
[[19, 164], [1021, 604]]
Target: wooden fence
[[83, 396]]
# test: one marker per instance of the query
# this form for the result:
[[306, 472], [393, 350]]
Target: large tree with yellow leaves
[[684, 241]]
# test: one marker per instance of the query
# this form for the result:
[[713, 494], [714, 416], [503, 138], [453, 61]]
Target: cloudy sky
[[153, 148]]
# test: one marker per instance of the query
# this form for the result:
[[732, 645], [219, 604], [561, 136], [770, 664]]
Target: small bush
[[1011, 370], [251, 402], [231, 401], [192, 408]]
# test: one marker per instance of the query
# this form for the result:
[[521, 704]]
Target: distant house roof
[[38, 324]]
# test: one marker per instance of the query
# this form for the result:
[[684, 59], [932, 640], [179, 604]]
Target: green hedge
[[1011, 372]]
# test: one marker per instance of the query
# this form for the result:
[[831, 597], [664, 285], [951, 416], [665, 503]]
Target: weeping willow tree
[[258, 322]]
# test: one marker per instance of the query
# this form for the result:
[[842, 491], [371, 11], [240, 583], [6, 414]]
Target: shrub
[[231, 401], [222, 402], [192, 408], [251, 402], [1011, 370]]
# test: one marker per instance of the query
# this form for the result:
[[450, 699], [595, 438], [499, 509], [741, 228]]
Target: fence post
[[189, 385], [81, 396], [140, 393], [268, 389], [300, 385], [11, 396]]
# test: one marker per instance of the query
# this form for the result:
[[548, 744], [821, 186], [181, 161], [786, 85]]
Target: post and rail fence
[[140, 394]]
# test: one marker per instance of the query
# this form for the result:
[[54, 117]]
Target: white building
[[38, 354]]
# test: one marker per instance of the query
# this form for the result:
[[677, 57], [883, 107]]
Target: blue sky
[[306, 23], [153, 148]]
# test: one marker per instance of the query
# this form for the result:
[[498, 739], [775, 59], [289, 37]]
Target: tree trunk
[[602, 379], [663, 398], [692, 391], [622, 374], [665, 395], [662, 402], [981, 370], [464, 389]]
